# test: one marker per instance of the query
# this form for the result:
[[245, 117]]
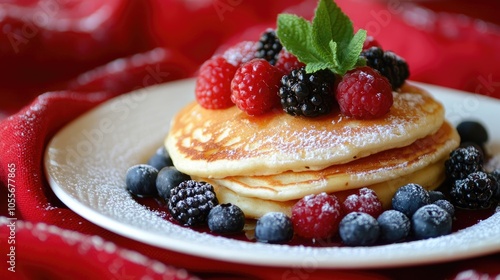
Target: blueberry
[[446, 205], [472, 131], [431, 221], [274, 227], [140, 180], [160, 159], [409, 198], [169, 177], [394, 226], [226, 218], [359, 229], [436, 195]]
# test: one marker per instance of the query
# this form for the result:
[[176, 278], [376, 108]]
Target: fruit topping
[[191, 201], [359, 229], [269, 46], [168, 178], [161, 158], [394, 226], [310, 95], [274, 227], [463, 161], [364, 93], [446, 205], [472, 132], [390, 65], [365, 200], [431, 221], [213, 85], [140, 180], [226, 219], [241, 52], [436, 195], [409, 198], [476, 191], [317, 216], [287, 62], [255, 87]]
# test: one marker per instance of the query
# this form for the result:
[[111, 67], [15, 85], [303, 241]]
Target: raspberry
[[366, 201], [369, 42], [390, 65], [476, 191], [269, 46], [241, 53], [305, 94], [255, 87], [363, 93], [213, 86], [287, 62], [462, 162], [317, 216]]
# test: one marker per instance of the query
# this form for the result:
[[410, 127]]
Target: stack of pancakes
[[267, 163]]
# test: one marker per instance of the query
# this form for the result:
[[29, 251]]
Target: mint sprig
[[328, 42]]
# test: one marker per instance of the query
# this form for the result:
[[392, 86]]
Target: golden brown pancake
[[220, 143]]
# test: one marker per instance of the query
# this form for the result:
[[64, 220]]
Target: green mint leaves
[[328, 42]]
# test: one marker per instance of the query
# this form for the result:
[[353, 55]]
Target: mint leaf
[[350, 54], [330, 23]]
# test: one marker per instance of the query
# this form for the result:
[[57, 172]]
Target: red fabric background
[[49, 76]]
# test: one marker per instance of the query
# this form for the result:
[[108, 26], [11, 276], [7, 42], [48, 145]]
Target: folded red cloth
[[51, 241]]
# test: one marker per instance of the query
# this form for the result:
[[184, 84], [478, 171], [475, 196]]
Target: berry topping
[[495, 177], [191, 201], [309, 95], [473, 192], [287, 62], [463, 161], [168, 178], [363, 93], [472, 131], [390, 65], [394, 226], [316, 216], [140, 180], [409, 198], [446, 205], [226, 219], [160, 159], [370, 41], [213, 85], [366, 201], [269, 46], [274, 227], [241, 52], [255, 87], [431, 221], [359, 229]]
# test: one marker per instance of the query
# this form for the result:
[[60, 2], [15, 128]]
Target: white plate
[[86, 163]]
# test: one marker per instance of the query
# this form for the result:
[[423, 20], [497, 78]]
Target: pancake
[[429, 177], [376, 168], [220, 143]]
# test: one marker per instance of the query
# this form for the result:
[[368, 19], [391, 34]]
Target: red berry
[[317, 216], [255, 87], [287, 62], [366, 201], [213, 86], [370, 42], [363, 93], [241, 53]]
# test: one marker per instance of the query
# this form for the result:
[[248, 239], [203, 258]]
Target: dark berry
[[436, 195], [359, 229], [446, 205], [495, 177], [366, 201], [254, 88], [363, 93], [274, 227], [472, 131], [394, 226], [473, 192], [160, 159], [191, 201], [316, 216], [269, 46], [409, 198], [168, 178], [431, 221], [140, 180], [462, 162], [226, 219], [213, 85], [307, 94], [389, 64]]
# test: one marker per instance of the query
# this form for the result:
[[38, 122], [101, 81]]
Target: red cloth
[[141, 43]]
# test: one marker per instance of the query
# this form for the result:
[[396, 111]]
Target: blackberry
[[269, 46], [462, 162], [305, 94], [473, 192], [191, 201], [389, 64], [495, 176]]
